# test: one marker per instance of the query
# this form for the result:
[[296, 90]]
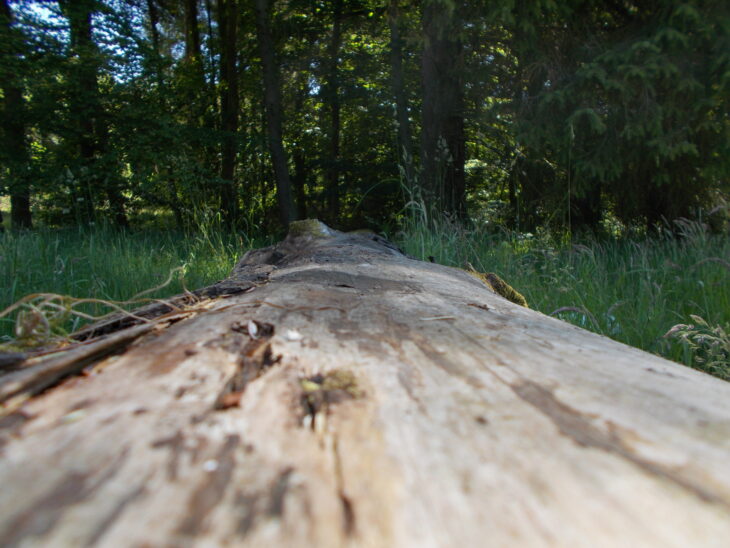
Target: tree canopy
[[515, 113]]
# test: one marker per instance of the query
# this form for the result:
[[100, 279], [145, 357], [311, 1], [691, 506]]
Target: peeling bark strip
[[46, 372], [334, 392], [256, 357]]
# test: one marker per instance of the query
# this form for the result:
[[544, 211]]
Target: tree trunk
[[82, 95], [332, 104], [20, 214], [335, 392], [89, 116], [15, 153], [442, 133], [228, 25], [192, 32], [405, 154], [154, 16], [299, 177], [274, 114]]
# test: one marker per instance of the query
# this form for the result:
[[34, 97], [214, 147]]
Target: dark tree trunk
[[89, 115], [299, 178], [228, 25], [83, 89], [274, 114], [209, 21], [332, 104], [20, 214], [192, 32], [442, 133], [154, 22], [405, 154], [13, 121], [172, 201], [586, 209]]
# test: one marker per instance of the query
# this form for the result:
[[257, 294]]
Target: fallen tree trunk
[[334, 392]]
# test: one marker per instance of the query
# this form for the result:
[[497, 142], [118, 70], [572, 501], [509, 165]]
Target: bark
[[15, 141], [332, 104], [20, 214], [442, 133], [192, 32], [299, 178], [405, 153], [274, 113], [228, 25], [335, 392]]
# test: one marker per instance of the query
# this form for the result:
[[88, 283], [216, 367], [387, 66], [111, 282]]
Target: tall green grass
[[108, 264], [632, 290]]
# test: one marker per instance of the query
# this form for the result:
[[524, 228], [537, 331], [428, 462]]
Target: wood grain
[[389, 402]]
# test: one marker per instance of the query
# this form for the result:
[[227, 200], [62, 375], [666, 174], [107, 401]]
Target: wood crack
[[255, 359], [576, 426], [348, 510]]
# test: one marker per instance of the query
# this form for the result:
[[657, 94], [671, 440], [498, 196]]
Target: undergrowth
[[632, 290], [102, 267]]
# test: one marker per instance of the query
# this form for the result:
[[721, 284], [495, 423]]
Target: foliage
[[709, 345], [568, 114], [616, 108], [632, 290], [104, 267]]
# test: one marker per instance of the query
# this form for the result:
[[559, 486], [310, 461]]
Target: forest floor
[[634, 291]]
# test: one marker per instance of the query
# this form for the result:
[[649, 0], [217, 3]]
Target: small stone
[[210, 465], [293, 336]]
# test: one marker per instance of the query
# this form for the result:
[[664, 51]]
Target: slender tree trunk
[[82, 97], [154, 16], [195, 89], [274, 112], [111, 179], [228, 25], [192, 32], [405, 154], [332, 99], [20, 214], [89, 114], [442, 133], [209, 24], [299, 178], [16, 146], [173, 201]]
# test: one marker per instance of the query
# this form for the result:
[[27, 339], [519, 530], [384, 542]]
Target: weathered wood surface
[[354, 397]]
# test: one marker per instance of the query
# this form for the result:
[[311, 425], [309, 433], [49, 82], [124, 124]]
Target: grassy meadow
[[632, 290], [110, 265]]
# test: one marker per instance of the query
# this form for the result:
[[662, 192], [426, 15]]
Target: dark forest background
[[574, 115]]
